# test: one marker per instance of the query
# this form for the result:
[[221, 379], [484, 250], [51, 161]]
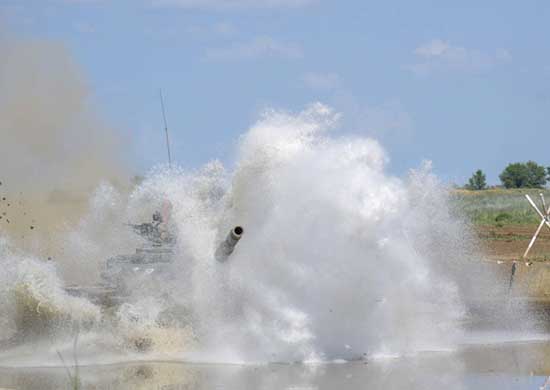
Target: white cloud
[[259, 47], [224, 4], [322, 80], [440, 55], [435, 48]]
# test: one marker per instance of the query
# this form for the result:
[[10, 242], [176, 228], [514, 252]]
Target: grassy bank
[[499, 207]]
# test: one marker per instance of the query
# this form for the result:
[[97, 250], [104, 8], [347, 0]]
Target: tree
[[537, 174], [478, 181], [523, 175]]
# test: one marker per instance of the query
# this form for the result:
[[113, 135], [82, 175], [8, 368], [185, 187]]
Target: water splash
[[339, 260]]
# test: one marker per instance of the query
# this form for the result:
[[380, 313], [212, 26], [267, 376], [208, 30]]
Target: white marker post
[[545, 220]]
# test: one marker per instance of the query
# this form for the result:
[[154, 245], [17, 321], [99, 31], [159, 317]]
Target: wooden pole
[[543, 203], [543, 222], [537, 210], [534, 238]]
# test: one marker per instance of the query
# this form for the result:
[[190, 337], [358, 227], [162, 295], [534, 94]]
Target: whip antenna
[[166, 130]]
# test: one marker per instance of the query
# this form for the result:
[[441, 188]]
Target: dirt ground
[[509, 242]]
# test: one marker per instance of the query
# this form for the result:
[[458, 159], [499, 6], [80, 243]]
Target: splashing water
[[339, 260]]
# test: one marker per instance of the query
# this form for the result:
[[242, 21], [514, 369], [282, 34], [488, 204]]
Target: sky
[[463, 84]]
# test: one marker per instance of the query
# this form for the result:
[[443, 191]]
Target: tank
[[121, 275], [119, 272], [152, 257], [124, 272]]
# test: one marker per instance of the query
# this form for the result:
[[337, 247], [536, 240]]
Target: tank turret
[[153, 257]]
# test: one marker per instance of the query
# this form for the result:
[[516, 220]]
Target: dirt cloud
[[54, 149]]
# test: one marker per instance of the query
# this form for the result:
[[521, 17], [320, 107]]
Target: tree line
[[515, 175]]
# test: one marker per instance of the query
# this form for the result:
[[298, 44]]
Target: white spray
[[339, 260]]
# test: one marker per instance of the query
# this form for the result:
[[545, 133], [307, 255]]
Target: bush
[[523, 175]]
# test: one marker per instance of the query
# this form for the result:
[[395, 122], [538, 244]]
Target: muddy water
[[513, 365]]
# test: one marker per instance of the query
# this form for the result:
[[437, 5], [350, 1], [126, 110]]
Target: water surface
[[512, 365]]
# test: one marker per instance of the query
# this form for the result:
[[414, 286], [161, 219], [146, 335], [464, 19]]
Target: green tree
[[478, 181], [537, 174], [523, 175]]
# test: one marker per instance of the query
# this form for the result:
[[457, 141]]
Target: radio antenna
[[166, 130]]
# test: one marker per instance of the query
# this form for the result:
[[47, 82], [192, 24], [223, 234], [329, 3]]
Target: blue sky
[[464, 84]]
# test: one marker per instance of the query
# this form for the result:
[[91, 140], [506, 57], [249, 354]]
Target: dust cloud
[[54, 148]]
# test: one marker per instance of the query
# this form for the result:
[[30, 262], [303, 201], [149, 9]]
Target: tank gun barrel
[[227, 246]]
